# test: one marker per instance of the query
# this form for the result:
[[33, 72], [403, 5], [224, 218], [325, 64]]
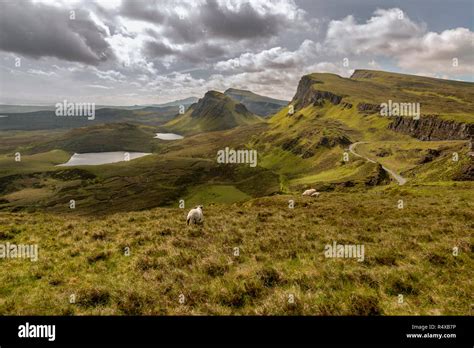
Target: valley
[[335, 141]]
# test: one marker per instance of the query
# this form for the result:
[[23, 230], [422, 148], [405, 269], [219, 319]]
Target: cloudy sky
[[124, 52]]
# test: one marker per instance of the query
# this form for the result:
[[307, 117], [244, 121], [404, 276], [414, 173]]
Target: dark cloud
[[209, 20], [204, 34], [38, 30], [194, 53], [184, 29], [245, 23], [145, 10], [158, 49], [203, 52]]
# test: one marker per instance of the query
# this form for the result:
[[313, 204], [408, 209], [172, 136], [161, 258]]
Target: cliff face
[[366, 89], [306, 95], [432, 128]]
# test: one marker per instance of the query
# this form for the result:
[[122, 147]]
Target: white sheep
[[316, 194], [309, 192], [195, 216]]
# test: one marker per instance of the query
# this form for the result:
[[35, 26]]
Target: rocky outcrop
[[378, 177], [466, 173], [306, 95], [433, 128], [337, 140], [431, 154], [367, 108], [346, 105], [304, 150]]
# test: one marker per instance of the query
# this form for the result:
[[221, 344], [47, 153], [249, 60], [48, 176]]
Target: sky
[[127, 52]]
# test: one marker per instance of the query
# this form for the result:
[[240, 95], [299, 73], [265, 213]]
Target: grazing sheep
[[309, 192], [195, 216]]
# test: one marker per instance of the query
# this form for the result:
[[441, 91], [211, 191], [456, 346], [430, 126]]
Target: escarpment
[[432, 128], [307, 95]]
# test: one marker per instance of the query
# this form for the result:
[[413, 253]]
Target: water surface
[[168, 136], [97, 158]]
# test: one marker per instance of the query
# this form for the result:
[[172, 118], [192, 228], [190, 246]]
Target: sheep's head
[[199, 207]]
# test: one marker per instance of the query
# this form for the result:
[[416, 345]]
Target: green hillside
[[102, 138], [445, 98], [331, 112]]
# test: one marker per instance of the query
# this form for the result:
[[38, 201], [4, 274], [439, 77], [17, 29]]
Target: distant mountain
[[10, 108], [215, 111], [6, 109], [47, 119], [30, 117], [258, 104], [185, 102]]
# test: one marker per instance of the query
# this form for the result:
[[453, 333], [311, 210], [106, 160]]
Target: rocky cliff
[[433, 128], [307, 95]]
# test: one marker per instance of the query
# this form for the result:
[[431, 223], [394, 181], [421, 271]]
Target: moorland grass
[[408, 252]]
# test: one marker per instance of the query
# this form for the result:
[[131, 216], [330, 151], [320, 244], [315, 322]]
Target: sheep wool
[[195, 216]]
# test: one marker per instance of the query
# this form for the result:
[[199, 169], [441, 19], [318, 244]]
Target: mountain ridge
[[215, 111], [258, 104]]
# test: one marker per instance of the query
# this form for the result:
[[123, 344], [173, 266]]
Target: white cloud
[[387, 32], [276, 70], [451, 52], [99, 86], [41, 72], [391, 35], [273, 58]]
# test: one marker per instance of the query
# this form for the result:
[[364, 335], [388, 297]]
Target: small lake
[[168, 136], [97, 158], [3, 116]]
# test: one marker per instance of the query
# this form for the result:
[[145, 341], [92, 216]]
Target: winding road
[[401, 180]]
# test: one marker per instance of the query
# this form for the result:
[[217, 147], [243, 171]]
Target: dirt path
[[401, 180]]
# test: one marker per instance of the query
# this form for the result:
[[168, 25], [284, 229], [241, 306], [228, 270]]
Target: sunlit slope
[[330, 112]]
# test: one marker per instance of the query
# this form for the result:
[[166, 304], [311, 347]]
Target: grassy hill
[[215, 111], [408, 252], [258, 104], [102, 138], [331, 112]]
